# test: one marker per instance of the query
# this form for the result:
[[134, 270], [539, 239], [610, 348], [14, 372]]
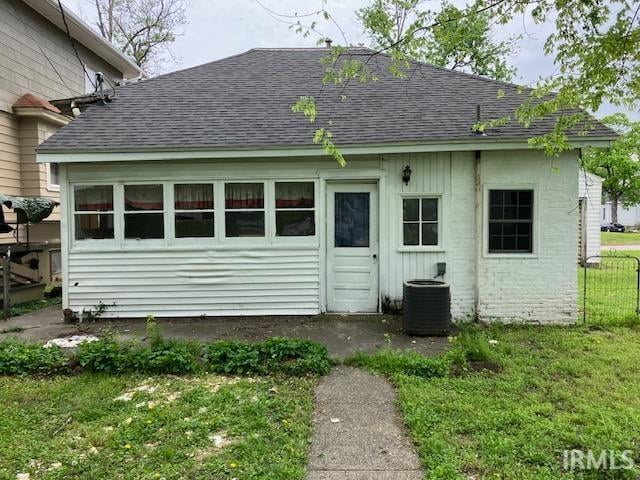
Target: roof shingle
[[245, 101]]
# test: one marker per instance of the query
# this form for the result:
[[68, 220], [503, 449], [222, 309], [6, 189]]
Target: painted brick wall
[[541, 288]]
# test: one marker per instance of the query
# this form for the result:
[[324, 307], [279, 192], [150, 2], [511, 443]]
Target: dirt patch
[[483, 366]]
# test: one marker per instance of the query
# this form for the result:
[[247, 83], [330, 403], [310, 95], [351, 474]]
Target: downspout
[[479, 234]]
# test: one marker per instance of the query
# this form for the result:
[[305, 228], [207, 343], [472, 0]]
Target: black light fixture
[[406, 174]]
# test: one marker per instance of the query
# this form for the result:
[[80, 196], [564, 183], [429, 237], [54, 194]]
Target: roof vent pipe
[[328, 42]]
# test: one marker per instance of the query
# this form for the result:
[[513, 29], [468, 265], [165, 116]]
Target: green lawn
[[617, 238], [204, 427], [611, 289], [560, 388]]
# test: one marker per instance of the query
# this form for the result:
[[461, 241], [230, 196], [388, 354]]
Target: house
[[627, 216], [200, 193], [38, 64], [589, 207]]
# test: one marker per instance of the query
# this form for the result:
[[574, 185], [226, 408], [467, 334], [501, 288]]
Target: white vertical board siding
[[450, 176], [590, 190], [541, 287]]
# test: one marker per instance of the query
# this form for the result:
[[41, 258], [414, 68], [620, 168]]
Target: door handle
[[375, 256]]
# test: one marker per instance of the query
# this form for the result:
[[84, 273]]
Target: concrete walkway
[[343, 335], [358, 433]]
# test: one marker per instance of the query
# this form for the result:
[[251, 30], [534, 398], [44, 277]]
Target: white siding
[[590, 191], [450, 176], [268, 278], [627, 216], [197, 282]]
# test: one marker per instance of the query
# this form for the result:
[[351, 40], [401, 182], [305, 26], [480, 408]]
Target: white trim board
[[45, 155]]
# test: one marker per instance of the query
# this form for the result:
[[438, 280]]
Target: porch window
[[143, 212], [510, 221], [295, 214], [93, 212], [193, 210], [244, 210], [420, 221]]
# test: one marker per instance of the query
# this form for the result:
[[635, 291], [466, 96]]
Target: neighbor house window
[[143, 211], [510, 221], [295, 215], [193, 208], [54, 175], [244, 205], [93, 212], [420, 221]]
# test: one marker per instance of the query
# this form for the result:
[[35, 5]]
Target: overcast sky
[[219, 28]]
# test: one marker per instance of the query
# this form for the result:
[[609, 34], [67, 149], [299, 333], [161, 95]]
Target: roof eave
[[84, 34], [72, 155]]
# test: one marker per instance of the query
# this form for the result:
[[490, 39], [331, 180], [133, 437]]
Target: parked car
[[611, 227]]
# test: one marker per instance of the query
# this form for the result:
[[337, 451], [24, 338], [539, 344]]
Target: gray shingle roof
[[245, 101]]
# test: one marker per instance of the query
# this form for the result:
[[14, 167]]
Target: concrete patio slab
[[342, 334], [358, 433]]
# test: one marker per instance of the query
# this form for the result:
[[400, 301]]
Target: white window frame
[[439, 247], [534, 224], [272, 212], [143, 242], [93, 242], [265, 239], [52, 187], [171, 211]]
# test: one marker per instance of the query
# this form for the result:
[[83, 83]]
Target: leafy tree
[[457, 41], [594, 46], [618, 165], [142, 29]]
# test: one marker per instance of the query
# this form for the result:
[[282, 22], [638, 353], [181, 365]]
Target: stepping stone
[[358, 432]]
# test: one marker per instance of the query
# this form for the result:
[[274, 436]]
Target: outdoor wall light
[[406, 175]]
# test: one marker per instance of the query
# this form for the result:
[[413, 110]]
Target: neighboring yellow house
[[38, 63]]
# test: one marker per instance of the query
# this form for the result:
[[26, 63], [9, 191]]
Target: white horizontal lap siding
[[228, 277], [450, 177], [196, 282]]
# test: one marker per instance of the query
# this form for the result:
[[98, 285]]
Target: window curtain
[[194, 197], [94, 198], [244, 195], [143, 197], [294, 195]]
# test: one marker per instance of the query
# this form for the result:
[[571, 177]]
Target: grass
[[560, 388], [620, 238], [611, 289], [28, 307], [205, 427]]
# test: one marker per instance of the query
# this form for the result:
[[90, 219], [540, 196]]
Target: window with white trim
[[93, 212], [295, 209], [420, 222], [193, 210], [244, 214], [511, 221], [54, 175], [143, 212]]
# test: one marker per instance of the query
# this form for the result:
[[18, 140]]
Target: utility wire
[[75, 49], [26, 32]]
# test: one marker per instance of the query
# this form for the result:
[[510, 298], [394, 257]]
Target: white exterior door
[[352, 247]]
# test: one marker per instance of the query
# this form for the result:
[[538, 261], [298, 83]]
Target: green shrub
[[170, 356], [275, 355], [109, 356], [391, 362], [19, 358]]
